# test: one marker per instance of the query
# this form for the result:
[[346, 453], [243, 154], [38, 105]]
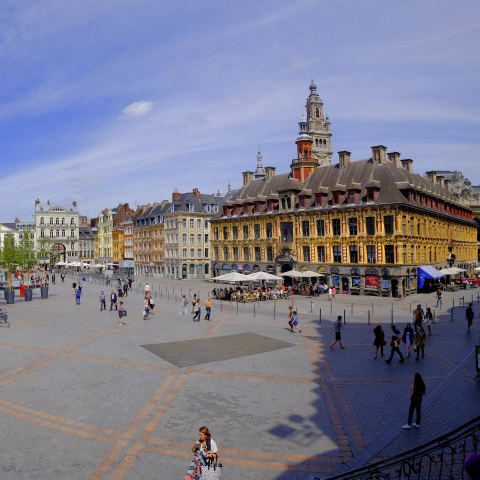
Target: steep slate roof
[[387, 178]]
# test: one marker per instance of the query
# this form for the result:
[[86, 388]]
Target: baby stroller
[[4, 318]]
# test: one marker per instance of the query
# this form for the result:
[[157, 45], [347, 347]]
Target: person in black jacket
[[408, 338], [396, 336], [469, 313], [418, 391], [113, 300], [379, 340]]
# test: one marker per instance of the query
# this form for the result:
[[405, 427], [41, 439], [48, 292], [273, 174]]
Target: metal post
[[344, 316], [433, 316], [392, 313], [221, 305], [331, 306], [472, 297], [253, 309], [237, 308], [274, 311], [168, 296], [372, 308], [320, 318], [410, 307], [155, 294], [352, 309], [369, 317], [463, 300], [453, 300], [174, 289], [426, 306], [175, 299], [161, 295], [311, 307]]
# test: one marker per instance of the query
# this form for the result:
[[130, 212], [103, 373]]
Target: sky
[[122, 101]]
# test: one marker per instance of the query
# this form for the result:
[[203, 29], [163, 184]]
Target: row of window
[[148, 246], [147, 233], [57, 233], [57, 221], [173, 253], [246, 254], [199, 224]]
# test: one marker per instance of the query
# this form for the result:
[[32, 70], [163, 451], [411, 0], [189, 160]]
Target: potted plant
[[9, 260], [27, 260]]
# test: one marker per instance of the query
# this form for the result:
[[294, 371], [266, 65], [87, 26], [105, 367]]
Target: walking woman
[[420, 341], [196, 309], [408, 338], [146, 310], [418, 391], [205, 450], [379, 341], [208, 308], [151, 305], [429, 319]]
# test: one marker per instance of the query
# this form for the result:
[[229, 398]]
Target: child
[[295, 322]]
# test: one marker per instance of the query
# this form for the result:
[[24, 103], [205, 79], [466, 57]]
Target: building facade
[[59, 223], [366, 226], [86, 245], [187, 234]]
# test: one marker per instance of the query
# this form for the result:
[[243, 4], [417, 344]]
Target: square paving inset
[[206, 350]]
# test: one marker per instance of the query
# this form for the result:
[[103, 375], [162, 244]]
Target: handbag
[[211, 470], [124, 313], [144, 313]]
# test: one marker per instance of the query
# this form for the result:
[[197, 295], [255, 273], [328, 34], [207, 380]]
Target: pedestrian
[[418, 391], [334, 293], [151, 305], [429, 319], [113, 300], [330, 293], [198, 310], [146, 310], [103, 305], [63, 277], [472, 466], [408, 338], [379, 341], [205, 450], [184, 305], [295, 322], [194, 301], [125, 289], [84, 280], [121, 310], [395, 336], [108, 281], [53, 278], [439, 298], [78, 295], [338, 338], [469, 314], [420, 341], [418, 316], [208, 308], [290, 317], [130, 283], [147, 290], [74, 285]]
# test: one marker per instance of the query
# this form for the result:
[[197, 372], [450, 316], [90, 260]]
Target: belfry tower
[[317, 127]]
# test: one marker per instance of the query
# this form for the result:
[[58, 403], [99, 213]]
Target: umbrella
[[233, 277], [263, 276], [291, 273], [458, 270], [309, 273], [448, 271], [477, 269], [61, 263], [98, 265]]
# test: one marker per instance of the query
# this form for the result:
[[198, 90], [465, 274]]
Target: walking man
[[78, 295], [113, 300], [53, 278], [103, 305], [439, 298], [194, 301], [208, 308], [469, 313], [338, 338], [198, 310], [418, 316], [395, 336], [63, 277], [184, 305], [84, 281]]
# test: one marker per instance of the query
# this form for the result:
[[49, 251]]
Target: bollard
[[463, 300], [292, 302], [175, 299], [410, 307], [221, 305], [369, 317], [472, 297], [344, 316], [253, 309], [434, 316], [274, 312], [173, 290], [392, 313], [426, 306], [331, 306], [155, 294], [352, 309], [237, 308], [372, 308], [311, 307], [453, 300], [181, 291], [168, 296], [320, 318]]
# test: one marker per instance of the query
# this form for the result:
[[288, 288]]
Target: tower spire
[[260, 171]]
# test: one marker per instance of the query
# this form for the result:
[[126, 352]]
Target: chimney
[[343, 158], [247, 177], [447, 182], [74, 204], [37, 201], [164, 202], [269, 173], [395, 158], [379, 154], [48, 202], [175, 195], [432, 176], [16, 220], [441, 180], [197, 193], [408, 164]]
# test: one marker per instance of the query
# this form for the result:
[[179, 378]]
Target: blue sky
[[123, 101]]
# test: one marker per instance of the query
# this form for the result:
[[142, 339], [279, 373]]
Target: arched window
[[57, 221], [51, 220], [316, 142], [72, 233], [63, 233], [72, 221], [317, 112], [57, 233], [42, 221], [51, 233], [42, 234], [324, 143], [63, 221]]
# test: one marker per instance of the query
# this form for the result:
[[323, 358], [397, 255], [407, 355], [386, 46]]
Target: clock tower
[[318, 127]]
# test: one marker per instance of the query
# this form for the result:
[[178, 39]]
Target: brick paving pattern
[[81, 399]]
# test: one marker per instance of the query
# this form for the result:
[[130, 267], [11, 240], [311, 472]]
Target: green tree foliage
[[26, 255], [9, 256]]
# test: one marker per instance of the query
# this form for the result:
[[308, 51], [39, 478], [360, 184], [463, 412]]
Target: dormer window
[[190, 207], [269, 205], [370, 195], [301, 202], [235, 210], [351, 196], [336, 198], [225, 211], [246, 208], [286, 202], [257, 207], [318, 200]]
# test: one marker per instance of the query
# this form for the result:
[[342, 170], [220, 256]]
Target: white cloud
[[137, 109]]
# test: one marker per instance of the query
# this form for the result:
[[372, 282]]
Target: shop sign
[[247, 269], [240, 266], [234, 268], [386, 284], [335, 270], [256, 268], [271, 269], [371, 282], [304, 269], [217, 266], [322, 270]]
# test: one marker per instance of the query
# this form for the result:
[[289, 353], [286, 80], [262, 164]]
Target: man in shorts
[[338, 338]]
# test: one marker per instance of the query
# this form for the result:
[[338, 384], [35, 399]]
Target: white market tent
[[233, 277], [263, 276], [477, 269], [448, 271], [297, 274]]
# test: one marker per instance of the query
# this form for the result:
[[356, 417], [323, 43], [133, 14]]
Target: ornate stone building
[[366, 225]]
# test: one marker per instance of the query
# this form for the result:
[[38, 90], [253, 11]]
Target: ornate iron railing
[[439, 459]]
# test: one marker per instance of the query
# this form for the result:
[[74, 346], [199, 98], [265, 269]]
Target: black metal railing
[[439, 459]]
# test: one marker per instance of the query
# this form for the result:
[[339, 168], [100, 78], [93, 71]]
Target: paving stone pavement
[[81, 399]]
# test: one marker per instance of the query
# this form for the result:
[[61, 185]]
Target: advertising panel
[[371, 282]]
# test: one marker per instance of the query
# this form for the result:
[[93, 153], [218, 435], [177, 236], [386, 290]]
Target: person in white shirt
[[204, 447], [147, 290]]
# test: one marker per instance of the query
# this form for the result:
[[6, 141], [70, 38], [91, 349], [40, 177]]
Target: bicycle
[[4, 318]]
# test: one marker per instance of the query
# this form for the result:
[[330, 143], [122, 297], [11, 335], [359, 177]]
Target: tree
[[26, 255], [9, 257], [44, 253]]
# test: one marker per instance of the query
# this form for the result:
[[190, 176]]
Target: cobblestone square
[[81, 398]]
